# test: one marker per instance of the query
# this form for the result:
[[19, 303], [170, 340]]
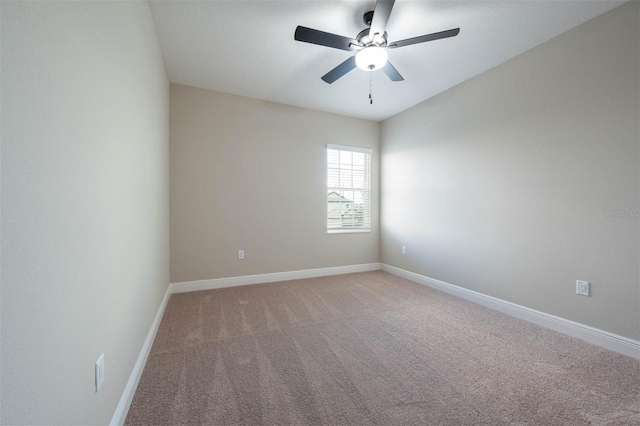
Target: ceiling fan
[[371, 43]]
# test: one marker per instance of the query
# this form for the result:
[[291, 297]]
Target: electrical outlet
[[404, 249], [99, 372], [582, 288], [240, 254]]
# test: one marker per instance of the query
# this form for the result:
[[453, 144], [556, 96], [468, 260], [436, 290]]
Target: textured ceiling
[[247, 47]]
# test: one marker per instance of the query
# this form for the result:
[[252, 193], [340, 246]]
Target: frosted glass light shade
[[371, 58]]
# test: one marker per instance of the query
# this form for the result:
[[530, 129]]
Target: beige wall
[[503, 184], [85, 202], [248, 174]]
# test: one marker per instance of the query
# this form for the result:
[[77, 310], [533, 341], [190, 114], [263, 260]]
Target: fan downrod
[[367, 18]]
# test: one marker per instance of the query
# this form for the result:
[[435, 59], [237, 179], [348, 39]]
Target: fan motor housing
[[364, 39]]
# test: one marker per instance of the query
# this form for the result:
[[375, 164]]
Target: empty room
[[349, 212]]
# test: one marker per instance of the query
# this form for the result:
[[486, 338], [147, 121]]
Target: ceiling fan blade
[[421, 39], [309, 35], [391, 72], [340, 70], [381, 15]]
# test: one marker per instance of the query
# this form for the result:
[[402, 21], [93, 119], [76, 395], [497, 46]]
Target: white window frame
[[331, 222]]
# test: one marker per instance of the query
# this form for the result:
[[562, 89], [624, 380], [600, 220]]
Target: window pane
[[332, 178], [358, 159], [345, 158], [333, 156], [345, 179]]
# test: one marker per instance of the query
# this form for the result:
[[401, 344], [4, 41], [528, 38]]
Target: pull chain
[[371, 88]]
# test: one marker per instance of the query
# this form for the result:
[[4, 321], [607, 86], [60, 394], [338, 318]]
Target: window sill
[[348, 231]]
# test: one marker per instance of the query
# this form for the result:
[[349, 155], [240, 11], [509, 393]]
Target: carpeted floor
[[371, 349]]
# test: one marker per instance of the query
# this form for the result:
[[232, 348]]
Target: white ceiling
[[247, 47]]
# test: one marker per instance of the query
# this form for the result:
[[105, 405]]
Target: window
[[348, 189]]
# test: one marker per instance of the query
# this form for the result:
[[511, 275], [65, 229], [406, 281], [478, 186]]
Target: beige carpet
[[371, 349]]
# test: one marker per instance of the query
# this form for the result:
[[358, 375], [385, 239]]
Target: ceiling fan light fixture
[[371, 58]]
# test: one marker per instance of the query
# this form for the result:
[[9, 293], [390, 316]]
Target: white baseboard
[[590, 334], [120, 415], [270, 278]]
